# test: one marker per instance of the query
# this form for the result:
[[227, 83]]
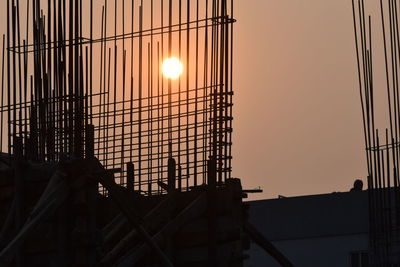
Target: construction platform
[[67, 222]]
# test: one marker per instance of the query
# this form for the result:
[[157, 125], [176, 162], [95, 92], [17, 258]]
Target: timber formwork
[[71, 224]]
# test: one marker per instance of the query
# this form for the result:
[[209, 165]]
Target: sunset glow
[[172, 68]]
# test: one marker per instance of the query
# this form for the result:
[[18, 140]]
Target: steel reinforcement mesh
[[74, 64]]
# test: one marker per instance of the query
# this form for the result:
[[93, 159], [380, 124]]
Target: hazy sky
[[297, 118], [298, 127]]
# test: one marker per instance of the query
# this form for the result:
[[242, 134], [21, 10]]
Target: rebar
[[141, 118]]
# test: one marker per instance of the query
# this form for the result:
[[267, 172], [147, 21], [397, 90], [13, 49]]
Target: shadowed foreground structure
[[382, 150], [107, 162]]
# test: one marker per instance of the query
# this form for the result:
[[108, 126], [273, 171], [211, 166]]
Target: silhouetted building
[[329, 230]]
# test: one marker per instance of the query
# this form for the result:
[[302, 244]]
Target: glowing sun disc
[[172, 68]]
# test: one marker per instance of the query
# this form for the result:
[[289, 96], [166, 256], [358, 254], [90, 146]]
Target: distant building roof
[[311, 216]]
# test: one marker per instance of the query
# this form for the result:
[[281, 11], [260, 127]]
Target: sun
[[172, 68]]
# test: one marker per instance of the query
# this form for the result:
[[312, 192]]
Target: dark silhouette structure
[[382, 153], [357, 186], [107, 162], [327, 230]]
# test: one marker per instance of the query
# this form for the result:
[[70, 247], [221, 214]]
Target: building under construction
[[382, 146], [106, 161]]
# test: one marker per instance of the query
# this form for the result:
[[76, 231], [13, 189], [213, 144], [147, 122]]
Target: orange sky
[[298, 127], [297, 118]]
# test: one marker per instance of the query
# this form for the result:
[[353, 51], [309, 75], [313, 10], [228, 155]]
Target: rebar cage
[[382, 145], [70, 67]]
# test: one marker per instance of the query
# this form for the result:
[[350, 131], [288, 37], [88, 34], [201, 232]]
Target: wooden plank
[[268, 247], [108, 182], [191, 211], [151, 220]]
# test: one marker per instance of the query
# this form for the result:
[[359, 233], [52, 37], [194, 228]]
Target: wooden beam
[[196, 207], [151, 220], [265, 244], [107, 180]]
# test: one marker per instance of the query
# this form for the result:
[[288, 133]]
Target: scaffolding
[[75, 69], [382, 147]]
